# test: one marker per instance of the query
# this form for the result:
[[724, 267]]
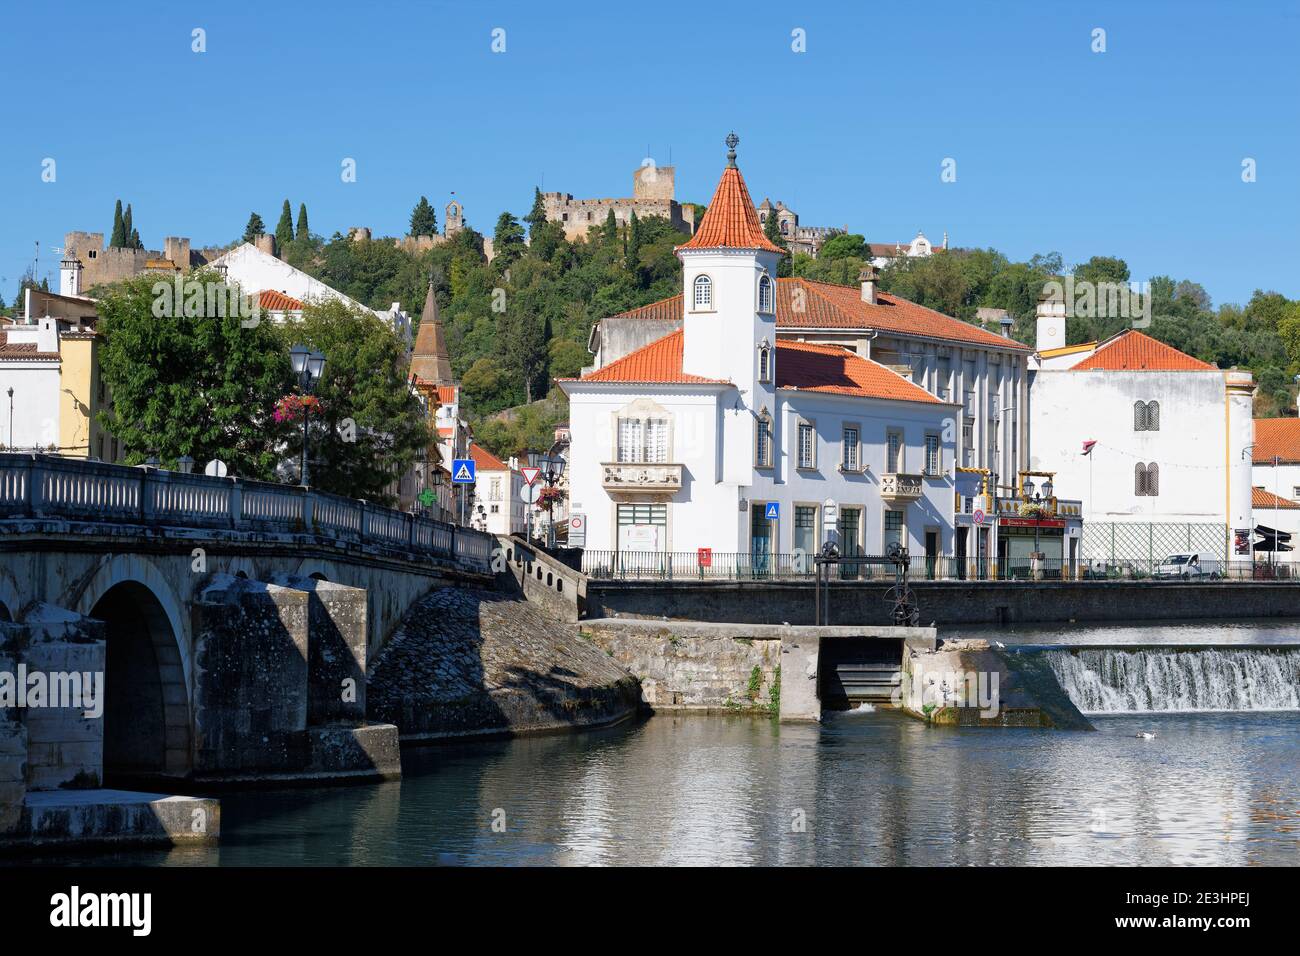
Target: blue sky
[[1135, 152]]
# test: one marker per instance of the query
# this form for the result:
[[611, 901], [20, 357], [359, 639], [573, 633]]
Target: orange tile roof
[[829, 368], [730, 222], [1134, 351], [1276, 438], [1259, 498], [448, 394], [806, 304], [274, 301], [484, 460], [658, 363]]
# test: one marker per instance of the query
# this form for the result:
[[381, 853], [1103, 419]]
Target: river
[[877, 788]]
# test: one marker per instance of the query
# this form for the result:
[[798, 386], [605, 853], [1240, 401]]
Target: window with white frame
[[893, 451], [703, 292], [933, 459], [766, 302], [849, 452], [494, 493], [807, 445], [763, 441], [643, 440], [893, 528], [765, 362]]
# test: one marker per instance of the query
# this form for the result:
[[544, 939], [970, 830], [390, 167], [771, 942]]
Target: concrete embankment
[[470, 662], [970, 683]]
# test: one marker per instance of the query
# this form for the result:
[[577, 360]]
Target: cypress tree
[[118, 239], [537, 215], [284, 228], [611, 228], [634, 240], [302, 221], [424, 221], [254, 228], [126, 227], [135, 239]]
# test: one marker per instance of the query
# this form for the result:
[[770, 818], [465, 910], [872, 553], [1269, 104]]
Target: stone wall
[[467, 662], [947, 602], [694, 667]]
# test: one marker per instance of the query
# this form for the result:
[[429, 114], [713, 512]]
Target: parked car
[[1187, 565]]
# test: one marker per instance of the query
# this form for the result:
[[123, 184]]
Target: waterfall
[[1110, 680]]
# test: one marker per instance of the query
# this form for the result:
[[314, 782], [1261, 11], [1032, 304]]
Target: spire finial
[[732, 141]]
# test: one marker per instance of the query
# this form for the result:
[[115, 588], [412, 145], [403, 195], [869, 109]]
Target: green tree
[[302, 231], [844, 245], [371, 427], [190, 381], [119, 235], [1102, 269], [537, 215], [424, 221], [254, 228], [284, 228], [127, 229], [507, 241]]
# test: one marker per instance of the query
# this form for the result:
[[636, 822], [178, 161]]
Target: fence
[[741, 566], [41, 486]]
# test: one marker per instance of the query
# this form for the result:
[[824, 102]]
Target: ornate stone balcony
[[900, 488], [634, 476]]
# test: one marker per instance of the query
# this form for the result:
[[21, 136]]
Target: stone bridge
[[237, 616]]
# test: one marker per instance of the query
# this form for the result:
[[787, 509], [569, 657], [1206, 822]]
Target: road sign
[[577, 531], [706, 557], [530, 474], [216, 468], [462, 471], [830, 513], [978, 516], [772, 511], [427, 497], [528, 494]]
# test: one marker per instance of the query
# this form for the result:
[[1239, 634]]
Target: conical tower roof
[[430, 360]]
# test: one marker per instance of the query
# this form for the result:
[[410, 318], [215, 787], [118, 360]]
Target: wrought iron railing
[[44, 486]]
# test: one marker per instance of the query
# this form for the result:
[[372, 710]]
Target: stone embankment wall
[[694, 666], [468, 662]]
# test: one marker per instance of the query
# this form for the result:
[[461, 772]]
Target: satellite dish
[[216, 468]]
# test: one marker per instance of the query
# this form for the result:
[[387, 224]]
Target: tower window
[[703, 292], [765, 303]]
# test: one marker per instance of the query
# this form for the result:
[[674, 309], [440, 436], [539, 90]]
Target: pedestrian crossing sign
[[773, 511], [462, 471]]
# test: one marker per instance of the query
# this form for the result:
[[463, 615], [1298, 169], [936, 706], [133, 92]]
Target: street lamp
[[185, 464], [550, 468], [1029, 490], [309, 366]]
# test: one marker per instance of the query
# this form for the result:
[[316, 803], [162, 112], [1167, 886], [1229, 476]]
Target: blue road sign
[[773, 511], [462, 471]]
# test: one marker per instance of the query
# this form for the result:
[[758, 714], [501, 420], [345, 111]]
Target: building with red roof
[[717, 435]]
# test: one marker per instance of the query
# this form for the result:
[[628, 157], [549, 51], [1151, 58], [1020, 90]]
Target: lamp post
[[309, 366], [1027, 487], [550, 470]]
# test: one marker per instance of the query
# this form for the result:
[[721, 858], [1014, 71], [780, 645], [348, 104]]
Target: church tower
[[430, 360]]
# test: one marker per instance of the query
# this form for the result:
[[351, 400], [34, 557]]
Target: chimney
[[867, 277], [1050, 319], [1007, 322]]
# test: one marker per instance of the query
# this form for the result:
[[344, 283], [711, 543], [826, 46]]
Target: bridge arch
[[148, 668]]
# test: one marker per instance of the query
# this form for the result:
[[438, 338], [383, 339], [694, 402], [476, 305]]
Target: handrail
[[35, 486]]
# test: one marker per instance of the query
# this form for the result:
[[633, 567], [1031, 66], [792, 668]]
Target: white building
[[256, 271], [1275, 474], [1156, 441], [683, 444], [882, 253], [498, 505]]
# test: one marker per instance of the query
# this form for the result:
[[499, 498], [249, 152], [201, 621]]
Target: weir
[[1102, 680]]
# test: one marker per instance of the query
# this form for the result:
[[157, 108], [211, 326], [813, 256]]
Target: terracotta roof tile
[[805, 304], [730, 222], [1134, 351], [658, 363], [274, 301], [829, 368], [1259, 498], [484, 460], [1276, 437]]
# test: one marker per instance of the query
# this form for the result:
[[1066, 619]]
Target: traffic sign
[[528, 494], [530, 474], [462, 471], [978, 516], [577, 531], [772, 512], [216, 468]]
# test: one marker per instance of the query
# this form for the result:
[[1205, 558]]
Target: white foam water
[[1151, 680]]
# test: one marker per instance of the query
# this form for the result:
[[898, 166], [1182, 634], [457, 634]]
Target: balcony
[[633, 476], [900, 488]]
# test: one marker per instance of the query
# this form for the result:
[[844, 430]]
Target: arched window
[[703, 292], [765, 298], [1153, 479], [1153, 418], [765, 362], [1146, 480], [1139, 417]]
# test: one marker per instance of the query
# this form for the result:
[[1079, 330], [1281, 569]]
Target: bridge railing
[[47, 486]]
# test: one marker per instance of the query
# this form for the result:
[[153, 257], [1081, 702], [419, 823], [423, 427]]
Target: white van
[[1187, 565]]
